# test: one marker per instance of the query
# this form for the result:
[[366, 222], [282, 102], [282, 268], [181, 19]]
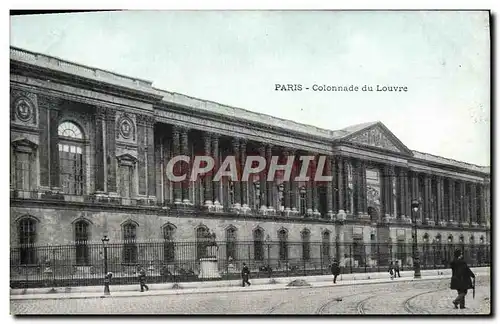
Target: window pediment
[[126, 159], [24, 145]]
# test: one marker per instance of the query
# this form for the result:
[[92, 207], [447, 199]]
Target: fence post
[[321, 257], [350, 257], [378, 257]]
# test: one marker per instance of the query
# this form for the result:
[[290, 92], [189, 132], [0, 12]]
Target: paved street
[[425, 297]]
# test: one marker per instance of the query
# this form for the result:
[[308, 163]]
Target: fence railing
[[82, 263]]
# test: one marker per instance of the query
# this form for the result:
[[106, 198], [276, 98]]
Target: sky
[[238, 57]]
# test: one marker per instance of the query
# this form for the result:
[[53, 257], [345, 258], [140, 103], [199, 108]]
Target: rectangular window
[[126, 181], [23, 171], [302, 202]]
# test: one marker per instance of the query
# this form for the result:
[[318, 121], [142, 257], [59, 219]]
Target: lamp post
[[416, 260], [267, 240], [107, 278]]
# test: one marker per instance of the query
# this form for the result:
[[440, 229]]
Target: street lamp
[[268, 241], [416, 261], [107, 278]]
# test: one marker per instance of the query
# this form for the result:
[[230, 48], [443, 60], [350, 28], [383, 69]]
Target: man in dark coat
[[461, 276], [396, 270], [142, 278], [335, 268], [245, 273]]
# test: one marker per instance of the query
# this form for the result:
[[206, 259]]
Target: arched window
[[130, 244], [258, 244], [283, 243], [27, 239], [231, 243], [168, 243], [325, 246], [201, 241], [306, 244], [71, 158], [81, 240]]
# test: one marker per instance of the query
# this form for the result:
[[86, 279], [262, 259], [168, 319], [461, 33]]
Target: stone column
[[329, 188], [402, 195], [466, 202], [482, 204], [364, 189], [146, 146], [244, 184], [207, 178], [263, 182], [488, 204], [427, 198], [270, 184], [415, 194], [451, 201], [185, 169], [111, 150], [309, 195], [474, 216], [55, 182], [176, 143], [440, 200], [314, 185], [150, 153], [216, 184], [334, 185], [387, 189], [286, 193], [463, 213], [100, 162], [293, 198], [392, 187], [341, 190], [237, 184], [357, 188], [407, 201], [44, 104]]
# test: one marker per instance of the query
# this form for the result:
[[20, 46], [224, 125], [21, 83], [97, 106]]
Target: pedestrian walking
[[335, 268], [391, 270], [461, 276], [142, 278], [245, 274], [396, 270]]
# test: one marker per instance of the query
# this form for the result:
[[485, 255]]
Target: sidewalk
[[228, 286]]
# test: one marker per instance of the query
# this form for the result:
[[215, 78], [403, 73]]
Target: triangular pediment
[[377, 136], [126, 158]]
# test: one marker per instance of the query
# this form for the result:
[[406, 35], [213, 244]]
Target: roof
[[443, 160], [57, 64]]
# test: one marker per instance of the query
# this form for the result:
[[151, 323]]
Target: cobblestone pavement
[[426, 297]]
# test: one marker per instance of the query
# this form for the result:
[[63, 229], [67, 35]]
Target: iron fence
[[82, 263]]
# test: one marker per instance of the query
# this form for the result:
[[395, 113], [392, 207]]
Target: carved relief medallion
[[24, 109], [125, 127]]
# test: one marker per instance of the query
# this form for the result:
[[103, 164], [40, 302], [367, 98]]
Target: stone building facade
[[88, 158]]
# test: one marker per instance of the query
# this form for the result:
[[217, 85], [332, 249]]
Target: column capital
[[49, 102], [111, 113], [145, 120], [235, 141], [100, 112]]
